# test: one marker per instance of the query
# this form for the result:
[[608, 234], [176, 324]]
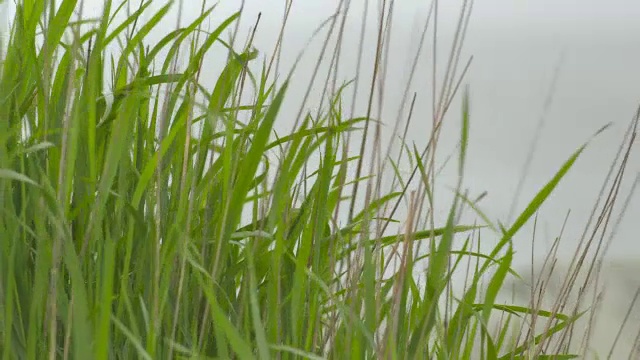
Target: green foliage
[[124, 232]]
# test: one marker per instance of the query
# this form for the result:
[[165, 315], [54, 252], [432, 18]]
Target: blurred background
[[544, 77]]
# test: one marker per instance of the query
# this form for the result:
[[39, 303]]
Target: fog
[[544, 69], [611, 332]]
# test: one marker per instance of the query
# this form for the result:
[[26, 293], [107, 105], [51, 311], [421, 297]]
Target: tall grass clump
[[146, 214]]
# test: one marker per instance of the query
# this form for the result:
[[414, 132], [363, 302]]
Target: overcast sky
[[517, 45]]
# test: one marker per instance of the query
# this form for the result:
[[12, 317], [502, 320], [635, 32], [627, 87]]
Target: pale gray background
[[517, 46]]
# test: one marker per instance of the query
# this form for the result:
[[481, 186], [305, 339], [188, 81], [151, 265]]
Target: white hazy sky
[[517, 45]]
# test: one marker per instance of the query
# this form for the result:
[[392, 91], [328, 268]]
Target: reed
[[148, 214]]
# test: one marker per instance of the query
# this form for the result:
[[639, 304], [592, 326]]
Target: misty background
[[547, 69]]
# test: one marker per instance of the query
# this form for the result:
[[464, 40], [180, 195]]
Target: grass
[[148, 215]]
